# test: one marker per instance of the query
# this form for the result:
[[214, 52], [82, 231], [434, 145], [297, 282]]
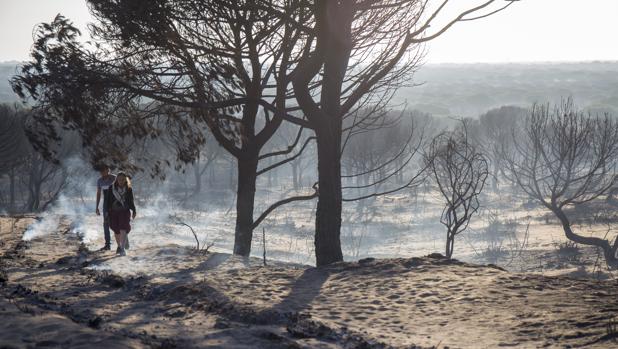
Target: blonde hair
[[126, 176]]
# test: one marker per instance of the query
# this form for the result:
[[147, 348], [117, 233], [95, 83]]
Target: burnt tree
[[195, 64], [495, 129], [460, 172], [562, 157], [359, 50], [14, 148]]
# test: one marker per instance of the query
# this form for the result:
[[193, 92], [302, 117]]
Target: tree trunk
[[495, 181], [247, 175], [450, 244], [609, 250], [12, 191], [32, 186], [37, 197], [38, 184], [328, 214], [333, 25]]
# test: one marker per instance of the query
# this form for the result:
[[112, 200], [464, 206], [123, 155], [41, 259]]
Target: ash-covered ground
[[58, 291]]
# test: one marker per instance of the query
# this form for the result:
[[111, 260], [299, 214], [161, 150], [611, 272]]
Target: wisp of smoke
[[70, 206]]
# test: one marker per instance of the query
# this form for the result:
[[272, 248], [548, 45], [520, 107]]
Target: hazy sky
[[530, 30]]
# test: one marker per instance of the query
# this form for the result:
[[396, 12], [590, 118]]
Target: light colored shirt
[[104, 184]]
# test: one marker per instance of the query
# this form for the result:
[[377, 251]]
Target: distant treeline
[[469, 90], [7, 70]]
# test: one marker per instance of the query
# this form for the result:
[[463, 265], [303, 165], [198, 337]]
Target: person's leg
[[122, 239], [126, 227], [113, 224], [108, 239], [119, 241]]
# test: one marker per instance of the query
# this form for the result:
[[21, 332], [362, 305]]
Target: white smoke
[[392, 230], [72, 208], [156, 224]]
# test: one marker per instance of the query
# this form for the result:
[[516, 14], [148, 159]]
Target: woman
[[119, 204]]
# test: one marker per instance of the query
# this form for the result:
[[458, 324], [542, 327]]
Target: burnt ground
[[56, 293]]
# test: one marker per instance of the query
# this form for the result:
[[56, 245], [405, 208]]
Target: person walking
[[103, 184], [120, 203]]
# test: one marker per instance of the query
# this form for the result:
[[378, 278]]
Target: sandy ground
[[55, 292]]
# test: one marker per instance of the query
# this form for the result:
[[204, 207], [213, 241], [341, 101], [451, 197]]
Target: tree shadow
[[304, 290]]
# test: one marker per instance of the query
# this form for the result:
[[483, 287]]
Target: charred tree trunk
[[37, 197], [450, 244], [38, 185], [333, 46], [328, 214], [247, 175], [12, 190], [34, 185], [609, 250]]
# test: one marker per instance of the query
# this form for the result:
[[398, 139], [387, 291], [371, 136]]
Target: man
[[103, 184]]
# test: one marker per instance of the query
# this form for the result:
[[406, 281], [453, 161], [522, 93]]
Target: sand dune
[[169, 296]]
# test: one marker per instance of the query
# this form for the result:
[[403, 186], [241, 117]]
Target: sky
[[528, 31]]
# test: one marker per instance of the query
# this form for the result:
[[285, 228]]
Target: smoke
[[71, 210], [391, 227], [158, 214]]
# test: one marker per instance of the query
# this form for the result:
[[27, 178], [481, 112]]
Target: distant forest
[[7, 70], [469, 90]]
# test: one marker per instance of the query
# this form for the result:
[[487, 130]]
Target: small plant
[[502, 241], [353, 240], [494, 252], [568, 251], [204, 246]]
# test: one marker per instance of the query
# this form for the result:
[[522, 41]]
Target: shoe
[[105, 248], [122, 252], [118, 250], [126, 243]]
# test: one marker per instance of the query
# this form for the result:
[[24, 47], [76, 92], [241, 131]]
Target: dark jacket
[[110, 199]]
